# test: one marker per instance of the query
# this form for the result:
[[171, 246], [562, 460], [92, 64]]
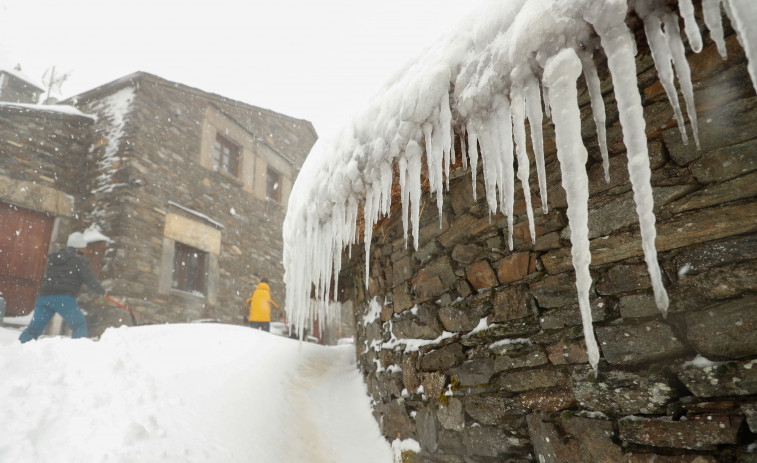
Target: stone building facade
[[675, 389], [187, 189], [17, 88]]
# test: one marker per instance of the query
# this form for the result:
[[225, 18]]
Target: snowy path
[[191, 393], [319, 395]]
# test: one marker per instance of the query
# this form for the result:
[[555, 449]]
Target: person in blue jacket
[[65, 272]]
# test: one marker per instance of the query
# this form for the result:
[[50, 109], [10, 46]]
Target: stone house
[[476, 352], [183, 191], [17, 88]]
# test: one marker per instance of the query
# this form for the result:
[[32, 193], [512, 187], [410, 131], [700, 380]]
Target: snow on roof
[[485, 80], [9, 65], [60, 109]]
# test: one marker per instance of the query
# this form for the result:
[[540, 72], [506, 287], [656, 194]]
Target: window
[[226, 156], [273, 187], [189, 269]]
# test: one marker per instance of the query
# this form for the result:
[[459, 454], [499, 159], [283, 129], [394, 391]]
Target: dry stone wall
[[517, 386]]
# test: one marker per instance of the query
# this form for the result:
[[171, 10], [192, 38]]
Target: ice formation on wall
[[113, 111], [502, 63]]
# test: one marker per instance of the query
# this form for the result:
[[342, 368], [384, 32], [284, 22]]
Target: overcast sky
[[319, 60]]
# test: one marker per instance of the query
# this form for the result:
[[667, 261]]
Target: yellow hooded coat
[[260, 304]]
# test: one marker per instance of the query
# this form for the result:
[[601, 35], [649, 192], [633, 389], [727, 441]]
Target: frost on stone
[[482, 83]]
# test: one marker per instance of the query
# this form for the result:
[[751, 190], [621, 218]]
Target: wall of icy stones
[[521, 389]]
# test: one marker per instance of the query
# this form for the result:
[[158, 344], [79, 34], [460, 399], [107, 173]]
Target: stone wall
[[520, 389], [41, 156]]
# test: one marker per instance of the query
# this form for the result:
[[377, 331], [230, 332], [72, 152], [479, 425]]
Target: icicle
[[434, 160], [452, 152], [386, 188], [714, 22], [445, 127], [560, 74], [545, 94], [743, 14], [618, 45], [535, 120], [473, 156], [503, 122], [368, 220], [338, 241], [597, 108], [463, 149], [683, 71], [352, 212], [441, 154], [413, 152], [490, 159], [690, 24], [661, 54], [518, 107], [405, 194]]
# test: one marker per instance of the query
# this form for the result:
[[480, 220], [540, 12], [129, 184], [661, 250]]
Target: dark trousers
[[46, 307], [265, 326]]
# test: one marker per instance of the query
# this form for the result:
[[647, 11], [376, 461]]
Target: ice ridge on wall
[[504, 63]]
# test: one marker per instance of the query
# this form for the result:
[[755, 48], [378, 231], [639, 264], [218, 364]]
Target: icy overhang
[[509, 62]]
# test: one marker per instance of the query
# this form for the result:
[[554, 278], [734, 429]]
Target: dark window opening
[[189, 269], [226, 156], [273, 185]]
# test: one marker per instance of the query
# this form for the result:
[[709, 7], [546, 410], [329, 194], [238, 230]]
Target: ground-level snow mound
[[195, 392]]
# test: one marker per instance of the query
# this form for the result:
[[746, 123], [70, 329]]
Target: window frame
[[227, 155], [273, 184], [191, 278]]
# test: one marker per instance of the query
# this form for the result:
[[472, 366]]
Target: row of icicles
[[494, 131]]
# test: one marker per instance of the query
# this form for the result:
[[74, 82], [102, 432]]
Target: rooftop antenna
[[53, 82]]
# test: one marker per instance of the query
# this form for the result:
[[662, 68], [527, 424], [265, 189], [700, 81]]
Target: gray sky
[[315, 60]]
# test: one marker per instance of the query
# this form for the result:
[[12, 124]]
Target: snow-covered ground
[[183, 393]]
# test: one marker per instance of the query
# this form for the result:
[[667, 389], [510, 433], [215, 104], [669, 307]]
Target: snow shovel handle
[[122, 306]]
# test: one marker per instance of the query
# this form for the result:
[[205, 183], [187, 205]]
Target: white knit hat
[[76, 240]]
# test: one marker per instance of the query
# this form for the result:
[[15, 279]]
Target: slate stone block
[[703, 432], [634, 344], [622, 392], [725, 330], [443, 358], [720, 379]]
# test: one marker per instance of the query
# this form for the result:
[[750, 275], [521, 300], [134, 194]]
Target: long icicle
[[518, 106], [662, 56], [535, 120], [473, 156], [597, 108], [743, 14], [560, 74], [714, 22], [502, 120], [683, 71], [619, 47]]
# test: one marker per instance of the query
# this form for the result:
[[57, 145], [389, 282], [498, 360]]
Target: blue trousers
[[46, 307]]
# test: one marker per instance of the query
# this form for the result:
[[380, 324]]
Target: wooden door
[[24, 242]]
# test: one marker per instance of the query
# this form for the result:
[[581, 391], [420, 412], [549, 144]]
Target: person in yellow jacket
[[260, 307]]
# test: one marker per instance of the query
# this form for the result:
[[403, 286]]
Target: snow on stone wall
[[485, 81]]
